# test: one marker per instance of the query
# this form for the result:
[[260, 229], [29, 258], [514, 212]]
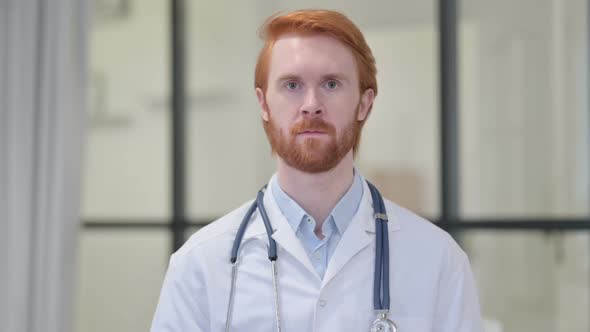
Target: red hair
[[327, 22]]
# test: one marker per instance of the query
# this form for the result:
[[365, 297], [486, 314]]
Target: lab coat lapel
[[354, 239], [283, 233], [358, 235]]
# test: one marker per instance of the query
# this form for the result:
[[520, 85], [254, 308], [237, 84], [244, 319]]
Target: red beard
[[312, 154]]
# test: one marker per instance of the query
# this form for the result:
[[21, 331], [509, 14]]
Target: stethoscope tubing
[[381, 276], [381, 298]]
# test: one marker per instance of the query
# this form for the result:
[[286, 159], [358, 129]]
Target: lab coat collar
[[367, 203], [283, 233], [355, 238]]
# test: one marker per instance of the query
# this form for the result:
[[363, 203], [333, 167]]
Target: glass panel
[[531, 281], [229, 154], [121, 273], [524, 108], [127, 150]]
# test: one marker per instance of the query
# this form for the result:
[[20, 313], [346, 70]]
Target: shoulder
[[424, 236], [215, 239]]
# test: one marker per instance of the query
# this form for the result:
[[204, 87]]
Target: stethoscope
[[381, 277]]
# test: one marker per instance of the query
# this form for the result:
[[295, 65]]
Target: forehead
[[310, 55]]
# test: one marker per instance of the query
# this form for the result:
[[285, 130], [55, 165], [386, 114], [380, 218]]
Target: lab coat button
[[322, 303]]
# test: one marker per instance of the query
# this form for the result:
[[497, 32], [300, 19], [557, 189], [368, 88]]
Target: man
[[315, 83]]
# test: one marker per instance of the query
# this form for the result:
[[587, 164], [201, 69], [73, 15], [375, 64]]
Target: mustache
[[315, 124]]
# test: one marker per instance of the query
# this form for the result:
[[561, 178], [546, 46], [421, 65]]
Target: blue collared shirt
[[320, 251]]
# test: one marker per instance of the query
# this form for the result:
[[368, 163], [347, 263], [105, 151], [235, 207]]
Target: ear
[[366, 104], [263, 105]]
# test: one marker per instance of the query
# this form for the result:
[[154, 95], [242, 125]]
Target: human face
[[312, 108]]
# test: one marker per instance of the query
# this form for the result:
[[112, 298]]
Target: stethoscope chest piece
[[383, 324]]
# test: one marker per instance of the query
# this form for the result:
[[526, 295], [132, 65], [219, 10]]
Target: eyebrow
[[288, 77], [294, 77]]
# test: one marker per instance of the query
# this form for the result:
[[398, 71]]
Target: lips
[[315, 127], [312, 133]]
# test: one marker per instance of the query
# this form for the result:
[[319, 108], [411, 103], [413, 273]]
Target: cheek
[[343, 110], [282, 111]]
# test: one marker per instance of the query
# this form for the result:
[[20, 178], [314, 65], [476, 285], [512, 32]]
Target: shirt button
[[316, 256], [322, 303], [309, 220]]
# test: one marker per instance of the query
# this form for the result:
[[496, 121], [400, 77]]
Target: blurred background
[[127, 125]]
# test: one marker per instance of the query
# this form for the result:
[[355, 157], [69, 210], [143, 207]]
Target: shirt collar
[[348, 205], [290, 209], [342, 213]]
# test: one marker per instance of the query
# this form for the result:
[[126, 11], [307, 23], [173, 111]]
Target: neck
[[317, 193]]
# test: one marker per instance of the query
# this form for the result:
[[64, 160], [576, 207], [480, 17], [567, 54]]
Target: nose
[[312, 105]]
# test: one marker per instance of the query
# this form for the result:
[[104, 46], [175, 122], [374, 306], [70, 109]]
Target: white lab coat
[[432, 287]]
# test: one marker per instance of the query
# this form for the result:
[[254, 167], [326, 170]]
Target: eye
[[332, 84], [292, 85]]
